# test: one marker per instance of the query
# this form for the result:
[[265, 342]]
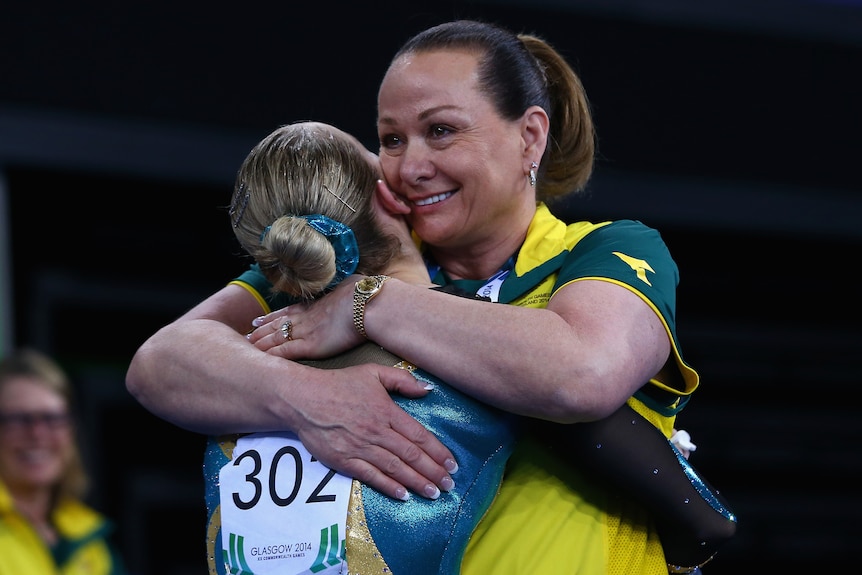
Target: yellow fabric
[[664, 424], [549, 519], [548, 236], [22, 551]]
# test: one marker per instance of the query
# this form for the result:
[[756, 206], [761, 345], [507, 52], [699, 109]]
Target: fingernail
[[432, 491], [402, 494], [429, 386], [451, 465], [257, 322], [447, 484]]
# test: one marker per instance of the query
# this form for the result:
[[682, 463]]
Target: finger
[[403, 382], [420, 450], [294, 348], [258, 333], [275, 344], [272, 327], [387, 482], [386, 460], [271, 316], [403, 450], [375, 479], [386, 471], [418, 456]]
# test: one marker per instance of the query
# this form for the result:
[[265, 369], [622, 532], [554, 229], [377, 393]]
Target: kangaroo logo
[[641, 267]]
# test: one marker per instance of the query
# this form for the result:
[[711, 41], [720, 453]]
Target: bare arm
[[577, 360], [193, 372], [202, 374]]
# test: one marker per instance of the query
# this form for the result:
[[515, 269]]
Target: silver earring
[[533, 167]]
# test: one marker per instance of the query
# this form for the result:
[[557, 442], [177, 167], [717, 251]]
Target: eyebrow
[[424, 115]]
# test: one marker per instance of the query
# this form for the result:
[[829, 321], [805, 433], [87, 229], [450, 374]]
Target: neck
[[35, 507], [33, 503], [476, 263], [480, 260]]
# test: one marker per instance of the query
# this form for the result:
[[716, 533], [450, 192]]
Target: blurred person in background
[[46, 527]]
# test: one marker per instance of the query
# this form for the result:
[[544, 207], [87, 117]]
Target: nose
[[416, 165]]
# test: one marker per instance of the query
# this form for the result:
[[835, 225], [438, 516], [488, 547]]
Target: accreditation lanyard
[[490, 289]]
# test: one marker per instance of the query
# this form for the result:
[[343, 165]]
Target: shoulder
[[618, 231], [624, 251], [75, 519], [624, 240]]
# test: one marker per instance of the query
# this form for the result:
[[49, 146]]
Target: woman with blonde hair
[[45, 525]]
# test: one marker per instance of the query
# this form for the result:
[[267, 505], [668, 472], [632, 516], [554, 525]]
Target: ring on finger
[[286, 330]]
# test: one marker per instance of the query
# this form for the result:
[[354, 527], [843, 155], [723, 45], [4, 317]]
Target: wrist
[[364, 291]]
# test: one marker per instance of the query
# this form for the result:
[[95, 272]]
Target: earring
[[533, 167]]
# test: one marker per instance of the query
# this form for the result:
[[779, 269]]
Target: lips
[[36, 455], [433, 199]]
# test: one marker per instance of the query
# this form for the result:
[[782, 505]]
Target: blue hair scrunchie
[[343, 242]]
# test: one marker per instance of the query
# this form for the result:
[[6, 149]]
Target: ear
[[534, 131], [389, 201]]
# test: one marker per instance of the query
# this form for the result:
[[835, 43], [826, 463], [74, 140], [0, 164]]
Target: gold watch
[[363, 291]]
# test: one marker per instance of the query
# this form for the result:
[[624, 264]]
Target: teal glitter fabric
[[425, 537], [422, 536]]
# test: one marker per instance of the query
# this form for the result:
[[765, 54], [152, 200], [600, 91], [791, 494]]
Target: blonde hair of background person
[[45, 525]]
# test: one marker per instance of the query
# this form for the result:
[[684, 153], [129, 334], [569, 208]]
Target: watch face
[[367, 285]]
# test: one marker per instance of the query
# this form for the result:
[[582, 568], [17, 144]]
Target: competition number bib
[[282, 511]]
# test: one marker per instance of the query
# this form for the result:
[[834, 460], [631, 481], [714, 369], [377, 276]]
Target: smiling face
[[446, 150], [36, 439]]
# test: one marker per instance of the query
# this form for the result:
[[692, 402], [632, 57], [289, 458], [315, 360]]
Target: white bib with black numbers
[[282, 511]]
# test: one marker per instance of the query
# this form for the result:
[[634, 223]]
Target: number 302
[[252, 478]]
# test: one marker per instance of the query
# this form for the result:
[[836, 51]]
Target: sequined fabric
[[363, 557], [425, 537], [419, 536]]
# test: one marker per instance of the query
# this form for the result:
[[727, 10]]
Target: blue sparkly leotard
[[419, 536]]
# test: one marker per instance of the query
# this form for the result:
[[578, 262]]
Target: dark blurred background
[[734, 127]]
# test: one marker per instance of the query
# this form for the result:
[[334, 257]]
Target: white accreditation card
[[281, 511]]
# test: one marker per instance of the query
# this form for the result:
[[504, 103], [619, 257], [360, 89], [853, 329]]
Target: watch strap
[[361, 296]]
